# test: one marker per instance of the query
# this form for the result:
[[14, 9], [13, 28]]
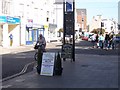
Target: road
[[15, 62]]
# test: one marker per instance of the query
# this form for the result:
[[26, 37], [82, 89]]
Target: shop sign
[[30, 23], [13, 20], [3, 19], [48, 64], [46, 26], [68, 7]]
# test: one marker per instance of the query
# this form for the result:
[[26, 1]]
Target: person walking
[[101, 41], [107, 38], [93, 37], [96, 41], [110, 41], [11, 39]]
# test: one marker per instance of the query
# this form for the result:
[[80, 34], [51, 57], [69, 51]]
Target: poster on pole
[[47, 64]]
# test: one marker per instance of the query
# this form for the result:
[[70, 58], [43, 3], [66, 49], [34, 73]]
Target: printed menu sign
[[47, 64]]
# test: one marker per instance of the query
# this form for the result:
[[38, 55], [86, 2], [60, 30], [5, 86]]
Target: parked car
[[84, 38]]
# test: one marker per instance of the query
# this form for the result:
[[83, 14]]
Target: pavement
[[24, 48], [88, 71]]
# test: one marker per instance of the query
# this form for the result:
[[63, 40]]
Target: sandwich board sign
[[47, 66]]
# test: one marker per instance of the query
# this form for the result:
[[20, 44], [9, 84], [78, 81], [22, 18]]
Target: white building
[[110, 25], [95, 23], [8, 24], [40, 15]]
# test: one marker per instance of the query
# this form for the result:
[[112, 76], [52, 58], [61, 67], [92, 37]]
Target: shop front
[[9, 31], [32, 33]]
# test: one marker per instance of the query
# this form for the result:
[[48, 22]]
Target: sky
[[107, 8]]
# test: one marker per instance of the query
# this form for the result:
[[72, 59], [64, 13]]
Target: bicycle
[[38, 56], [41, 47]]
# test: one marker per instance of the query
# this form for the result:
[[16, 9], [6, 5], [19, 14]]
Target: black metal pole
[[64, 25], [73, 30]]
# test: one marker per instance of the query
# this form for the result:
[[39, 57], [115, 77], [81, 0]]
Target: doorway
[[32, 35]]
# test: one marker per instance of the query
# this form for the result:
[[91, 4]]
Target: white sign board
[[47, 64]]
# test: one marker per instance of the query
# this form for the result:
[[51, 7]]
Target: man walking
[[11, 39]]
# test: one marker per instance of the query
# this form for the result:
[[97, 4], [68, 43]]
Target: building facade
[[82, 19], [34, 17], [109, 25], [95, 23]]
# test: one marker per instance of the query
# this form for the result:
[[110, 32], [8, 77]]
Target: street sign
[[69, 15], [69, 23], [68, 7], [66, 51], [69, 30], [29, 23]]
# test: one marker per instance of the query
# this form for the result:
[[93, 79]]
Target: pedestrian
[[107, 38], [96, 41], [41, 41], [93, 37], [11, 39], [110, 41], [101, 41], [114, 42]]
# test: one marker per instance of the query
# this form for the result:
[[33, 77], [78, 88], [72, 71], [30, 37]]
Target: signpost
[[68, 29]]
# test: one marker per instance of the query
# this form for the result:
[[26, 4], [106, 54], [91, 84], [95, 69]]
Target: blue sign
[[3, 19], [13, 20], [68, 7]]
